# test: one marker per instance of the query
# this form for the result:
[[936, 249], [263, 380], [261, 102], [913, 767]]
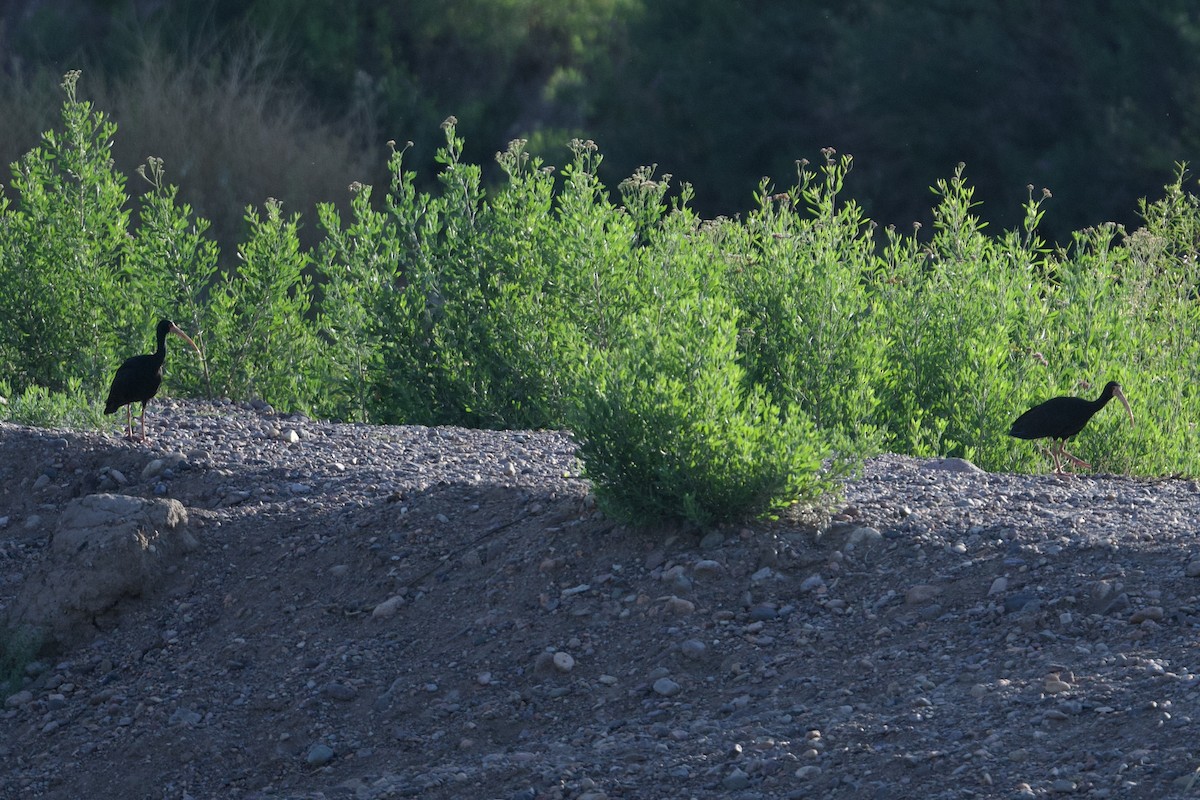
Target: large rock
[[107, 547]]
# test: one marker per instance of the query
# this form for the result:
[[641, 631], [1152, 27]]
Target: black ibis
[[138, 378], [1060, 418]]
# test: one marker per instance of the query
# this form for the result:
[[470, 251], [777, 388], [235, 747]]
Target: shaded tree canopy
[[1096, 102]]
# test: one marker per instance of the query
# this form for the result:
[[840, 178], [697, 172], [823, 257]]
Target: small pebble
[[680, 606], [736, 780], [812, 583], [318, 755], [388, 607]]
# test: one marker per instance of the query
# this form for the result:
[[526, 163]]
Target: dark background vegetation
[[293, 100]]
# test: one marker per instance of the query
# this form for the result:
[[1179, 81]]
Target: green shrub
[[172, 268], [672, 431], [357, 267], [961, 316], [44, 408], [62, 270], [810, 332], [261, 342]]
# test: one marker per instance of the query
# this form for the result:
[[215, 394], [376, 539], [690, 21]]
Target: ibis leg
[[1054, 455], [1079, 462]]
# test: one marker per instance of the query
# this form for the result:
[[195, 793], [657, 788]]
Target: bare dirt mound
[[377, 612]]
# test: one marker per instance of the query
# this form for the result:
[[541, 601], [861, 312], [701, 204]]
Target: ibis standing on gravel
[[138, 378], [1060, 418]]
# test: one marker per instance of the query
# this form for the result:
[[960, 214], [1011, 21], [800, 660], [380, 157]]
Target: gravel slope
[[380, 612]]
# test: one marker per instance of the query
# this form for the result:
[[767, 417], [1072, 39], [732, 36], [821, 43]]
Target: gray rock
[[1154, 613], [107, 547], [862, 537], [1018, 601], [763, 613], [667, 687], [679, 606], [23, 697], [762, 575], [1108, 597], [812, 583], [184, 716], [319, 754], [339, 691], [736, 780]]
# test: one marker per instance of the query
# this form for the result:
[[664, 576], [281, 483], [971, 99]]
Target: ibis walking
[[1060, 418]]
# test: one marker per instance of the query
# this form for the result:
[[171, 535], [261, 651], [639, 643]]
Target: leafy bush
[[673, 431], [357, 268], [62, 273], [261, 340], [711, 369], [172, 267], [960, 315], [811, 332], [38, 406]]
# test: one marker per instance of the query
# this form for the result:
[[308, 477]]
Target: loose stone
[[319, 754], [1154, 613], [680, 606], [736, 780]]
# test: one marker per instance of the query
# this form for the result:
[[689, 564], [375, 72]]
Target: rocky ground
[[379, 612]]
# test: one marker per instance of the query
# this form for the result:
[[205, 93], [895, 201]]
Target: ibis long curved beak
[[176, 330], [1117, 393]]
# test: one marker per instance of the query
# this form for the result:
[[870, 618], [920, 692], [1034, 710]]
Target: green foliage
[[261, 341], [172, 267], [672, 430], [711, 369], [811, 335], [356, 264], [62, 271], [955, 312], [488, 308], [41, 407]]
